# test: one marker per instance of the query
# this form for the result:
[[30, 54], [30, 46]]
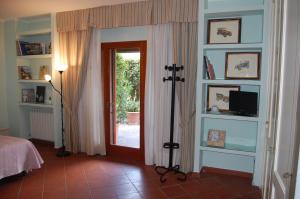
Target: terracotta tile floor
[[81, 176]]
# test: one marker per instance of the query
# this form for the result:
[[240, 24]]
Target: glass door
[[124, 83]]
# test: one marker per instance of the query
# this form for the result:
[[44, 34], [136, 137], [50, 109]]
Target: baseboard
[[42, 142], [226, 172]]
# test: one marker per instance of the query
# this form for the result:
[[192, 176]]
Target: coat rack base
[[162, 171]]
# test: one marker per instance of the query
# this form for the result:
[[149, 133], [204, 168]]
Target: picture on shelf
[[216, 138], [224, 31], [43, 72], [218, 96], [28, 96], [209, 68], [242, 65], [25, 72], [40, 94]]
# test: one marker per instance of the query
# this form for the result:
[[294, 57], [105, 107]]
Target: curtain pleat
[[72, 20], [158, 97], [185, 53], [122, 15], [73, 48], [130, 14]]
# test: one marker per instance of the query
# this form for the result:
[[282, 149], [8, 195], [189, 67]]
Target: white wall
[[3, 96]]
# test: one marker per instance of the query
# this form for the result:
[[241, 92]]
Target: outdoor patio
[[129, 135]]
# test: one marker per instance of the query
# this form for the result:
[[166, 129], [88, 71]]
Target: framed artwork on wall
[[218, 96], [216, 138], [224, 31], [242, 65]]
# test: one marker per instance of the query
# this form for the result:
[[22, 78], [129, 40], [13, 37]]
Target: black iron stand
[[162, 171], [62, 152]]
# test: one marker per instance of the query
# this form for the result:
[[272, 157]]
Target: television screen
[[243, 103]]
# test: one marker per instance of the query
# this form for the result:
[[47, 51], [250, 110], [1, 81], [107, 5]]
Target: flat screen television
[[243, 103]]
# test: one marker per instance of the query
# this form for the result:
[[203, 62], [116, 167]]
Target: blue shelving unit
[[244, 141]]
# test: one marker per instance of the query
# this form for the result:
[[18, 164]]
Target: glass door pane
[[126, 98]]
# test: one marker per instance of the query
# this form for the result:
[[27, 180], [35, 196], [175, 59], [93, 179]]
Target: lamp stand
[[62, 151]]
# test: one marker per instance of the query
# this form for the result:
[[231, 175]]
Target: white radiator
[[41, 124]]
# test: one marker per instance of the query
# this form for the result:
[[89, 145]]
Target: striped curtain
[[130, 14], [183, 15], [185, 37]]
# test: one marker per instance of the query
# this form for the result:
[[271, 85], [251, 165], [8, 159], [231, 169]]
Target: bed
[[17, 155]]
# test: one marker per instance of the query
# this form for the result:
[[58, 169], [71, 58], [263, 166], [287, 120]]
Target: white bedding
[[17, 155]]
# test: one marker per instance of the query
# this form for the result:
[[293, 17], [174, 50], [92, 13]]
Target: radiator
[[41, 124]]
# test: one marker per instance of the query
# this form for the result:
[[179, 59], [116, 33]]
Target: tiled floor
[[80, 176]]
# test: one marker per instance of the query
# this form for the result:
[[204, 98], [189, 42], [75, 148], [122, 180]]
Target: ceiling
[[10, 9]]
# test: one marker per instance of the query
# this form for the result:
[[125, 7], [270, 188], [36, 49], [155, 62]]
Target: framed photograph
[[28, 96], [25, 72], [242, 65], [218, 96], [216, 138], [224, 31]]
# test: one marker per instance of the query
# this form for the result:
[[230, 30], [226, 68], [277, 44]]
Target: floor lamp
[[61, 69]]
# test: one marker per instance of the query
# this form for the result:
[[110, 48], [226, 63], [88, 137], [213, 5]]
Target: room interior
[[149, 99]]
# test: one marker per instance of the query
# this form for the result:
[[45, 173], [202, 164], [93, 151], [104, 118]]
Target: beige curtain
[[129, 14], [73, 48], [72, 20], [185, 53], [167, 11]]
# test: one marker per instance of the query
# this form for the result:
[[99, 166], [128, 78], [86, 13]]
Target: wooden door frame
[[138, 154]]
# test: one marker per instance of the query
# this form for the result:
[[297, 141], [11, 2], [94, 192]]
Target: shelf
[[35, 32], [33, 81], [231, 82], [231, 149], [233, 12], [232, 46], [44, 56], [36, 105], [229, 117]]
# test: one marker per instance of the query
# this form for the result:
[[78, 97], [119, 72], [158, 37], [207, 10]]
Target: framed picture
[[224, 31], [218, 96], [242, 65], [216, 138], [28, 96], [25, 72]]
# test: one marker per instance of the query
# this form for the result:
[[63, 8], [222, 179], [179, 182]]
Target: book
[[28, 96], [40, 94], [25, 72], [209, 68], [43, 72], [18, 48], [33, 49], [23, 47]]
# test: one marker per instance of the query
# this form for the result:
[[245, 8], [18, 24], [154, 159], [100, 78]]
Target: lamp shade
[[61, 67], [47, 78]]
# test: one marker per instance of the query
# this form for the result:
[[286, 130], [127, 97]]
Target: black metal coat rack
[[171, 145]]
